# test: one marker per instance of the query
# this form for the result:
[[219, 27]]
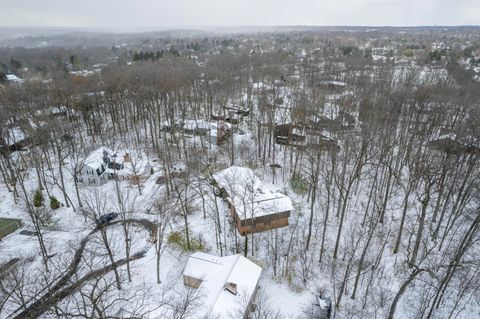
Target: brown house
[[252, 206], [304, 136], [289, 134], [450, 143], [258, 223]]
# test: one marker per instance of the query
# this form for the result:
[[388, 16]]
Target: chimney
[[231, 287]]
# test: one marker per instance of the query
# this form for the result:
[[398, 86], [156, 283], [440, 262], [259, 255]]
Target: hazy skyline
[[186, 13]]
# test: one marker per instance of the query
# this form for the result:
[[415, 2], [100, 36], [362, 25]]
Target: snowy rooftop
[[448, 136], [14, 78], [248, 194], [215, 272], [139, 163], [334, 83], [200, 124], [95, 158], [13, 135]]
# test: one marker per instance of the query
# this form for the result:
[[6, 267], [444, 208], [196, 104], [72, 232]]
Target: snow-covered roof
[[234, 177], [202, 124], [334, 83], [138, 165], [215, 272], [83, 73], [13, 78], [13, 135], [258, 85], [448, 136], [249, 195], [95, 158], [52, 110]]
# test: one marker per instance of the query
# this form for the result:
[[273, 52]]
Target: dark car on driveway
[[107, 218]]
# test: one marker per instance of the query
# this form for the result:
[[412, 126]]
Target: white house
[[104, 164], [228, 284], [13, 79], [94, 167]]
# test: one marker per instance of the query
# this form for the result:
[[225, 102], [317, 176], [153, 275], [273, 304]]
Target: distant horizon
[[180, 14], [237, 26], [216, 28]]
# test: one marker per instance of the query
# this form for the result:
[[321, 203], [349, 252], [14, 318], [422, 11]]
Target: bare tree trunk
[[421, 224], [314, 196], [401, 291]]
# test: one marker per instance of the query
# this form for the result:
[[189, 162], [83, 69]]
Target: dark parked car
[[107, 218]]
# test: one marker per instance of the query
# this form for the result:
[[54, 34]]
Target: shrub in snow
[[177, 238], [299, 184], [54, 203], [38, 198]]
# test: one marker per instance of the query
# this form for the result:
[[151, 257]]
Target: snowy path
[[57, 292]]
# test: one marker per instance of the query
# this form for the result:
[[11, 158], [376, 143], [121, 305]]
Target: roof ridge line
[[223, 287]]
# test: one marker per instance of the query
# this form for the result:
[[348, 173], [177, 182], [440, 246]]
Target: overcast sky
[[202, 13]]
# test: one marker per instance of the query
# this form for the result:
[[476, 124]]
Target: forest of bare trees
[[386, 223]]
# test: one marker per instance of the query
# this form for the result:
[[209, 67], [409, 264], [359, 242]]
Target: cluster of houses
[[230, 283], [20, 134], [104, 164], [316, 130]]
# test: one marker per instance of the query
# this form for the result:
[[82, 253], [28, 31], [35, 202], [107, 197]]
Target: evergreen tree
[[38, 198], [54, 203]]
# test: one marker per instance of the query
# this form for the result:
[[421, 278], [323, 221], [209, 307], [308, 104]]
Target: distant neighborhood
[[252, 173]]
